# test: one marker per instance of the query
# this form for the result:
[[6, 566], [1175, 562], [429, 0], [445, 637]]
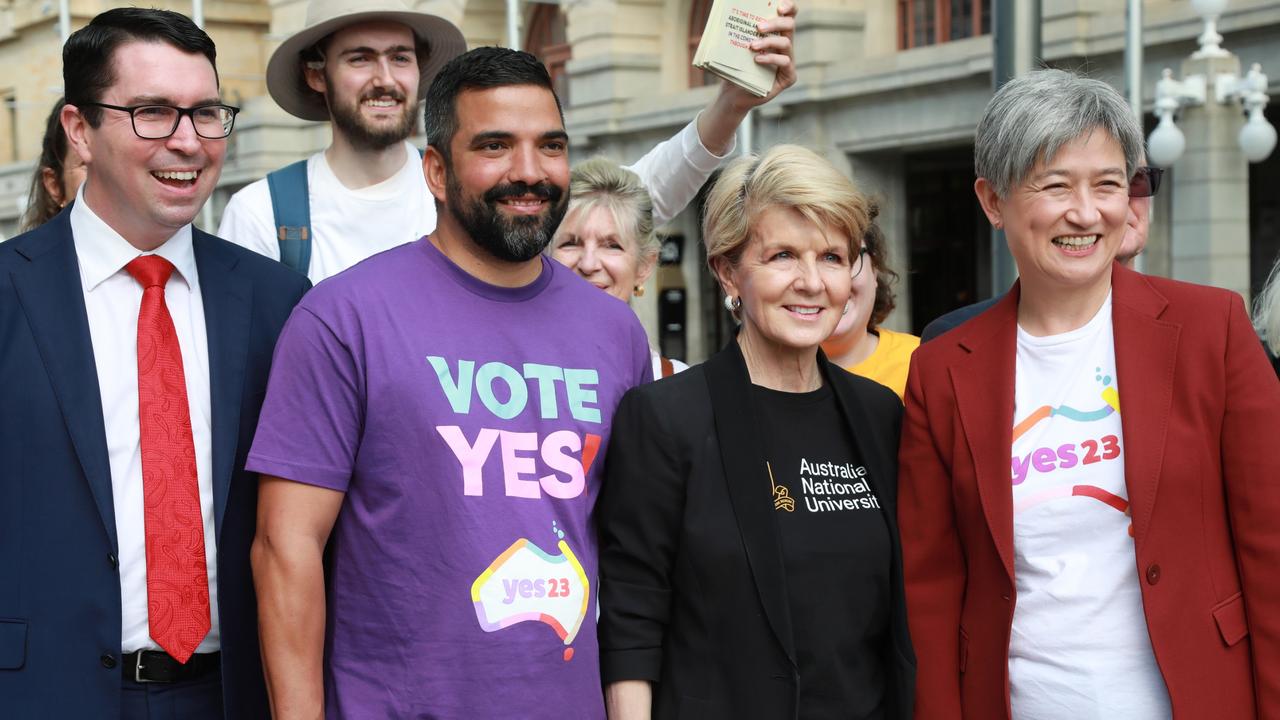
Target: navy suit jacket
[[956, 318], [60, 613]]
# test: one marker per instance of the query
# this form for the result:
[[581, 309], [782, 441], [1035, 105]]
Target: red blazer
[[1201, 420]]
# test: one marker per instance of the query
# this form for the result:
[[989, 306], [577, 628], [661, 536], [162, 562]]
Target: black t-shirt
[[835, 549]]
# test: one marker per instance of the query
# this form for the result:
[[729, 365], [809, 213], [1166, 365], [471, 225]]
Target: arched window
[[548, 40], [698, 12], [928, 22]]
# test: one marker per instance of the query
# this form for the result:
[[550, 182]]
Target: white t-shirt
[[656, 359], [1079, 648], [348, 225]]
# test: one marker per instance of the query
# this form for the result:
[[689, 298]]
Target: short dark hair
[[87, 62], [479, 69]]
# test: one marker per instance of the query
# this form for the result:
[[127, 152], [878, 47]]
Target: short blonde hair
[[786, 176], [600, 182]]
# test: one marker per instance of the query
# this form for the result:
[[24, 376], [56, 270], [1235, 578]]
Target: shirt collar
[[103, 252]]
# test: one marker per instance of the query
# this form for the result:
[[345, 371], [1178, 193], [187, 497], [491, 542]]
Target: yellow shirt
[[889, 363]]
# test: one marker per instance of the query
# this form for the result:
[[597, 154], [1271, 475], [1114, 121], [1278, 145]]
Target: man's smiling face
[[370, 83], [508, 175], [147, 189]]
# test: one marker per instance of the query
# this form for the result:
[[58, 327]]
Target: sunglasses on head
[[1145, 182]]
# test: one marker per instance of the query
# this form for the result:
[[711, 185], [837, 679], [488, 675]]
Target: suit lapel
[[1146, 350], [51, 295], [986, 412], [749, 487], [227, 300]]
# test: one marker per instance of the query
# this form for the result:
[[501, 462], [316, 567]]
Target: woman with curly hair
[[859, 344]]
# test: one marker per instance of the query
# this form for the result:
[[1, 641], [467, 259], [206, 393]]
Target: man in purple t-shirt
[[435, 416]]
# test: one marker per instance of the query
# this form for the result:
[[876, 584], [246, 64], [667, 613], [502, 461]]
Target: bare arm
[[294, 521], [628, 700]]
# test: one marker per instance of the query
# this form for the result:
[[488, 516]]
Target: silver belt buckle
[[137, 669]]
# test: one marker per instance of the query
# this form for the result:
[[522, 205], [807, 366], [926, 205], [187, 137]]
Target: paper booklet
[[725, 45]]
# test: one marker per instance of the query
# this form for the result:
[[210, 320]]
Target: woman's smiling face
[[793, 278], [1066, 220], [588, 241]]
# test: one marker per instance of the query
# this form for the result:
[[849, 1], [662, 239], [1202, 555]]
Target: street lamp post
[[1133, 76], [64, 19], [1212, 148], [513, 24], [1257, 138], [206, 212], [1016, 47]]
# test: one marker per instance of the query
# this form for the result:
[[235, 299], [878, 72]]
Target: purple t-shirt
[[465, 423]]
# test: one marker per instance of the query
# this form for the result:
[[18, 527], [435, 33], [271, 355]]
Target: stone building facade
[[889, 90]]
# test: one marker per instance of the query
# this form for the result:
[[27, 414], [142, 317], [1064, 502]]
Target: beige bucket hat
[[288, 86]]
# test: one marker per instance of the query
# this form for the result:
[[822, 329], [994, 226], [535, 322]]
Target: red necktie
[[177, 584]]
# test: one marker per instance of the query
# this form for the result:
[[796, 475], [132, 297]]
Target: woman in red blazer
[[1090, 486]]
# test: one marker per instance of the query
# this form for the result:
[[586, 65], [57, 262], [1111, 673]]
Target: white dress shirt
[[112, 299]]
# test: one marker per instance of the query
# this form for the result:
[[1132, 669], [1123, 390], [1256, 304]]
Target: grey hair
[[1266, 311], [600, 182], [1033, 116]]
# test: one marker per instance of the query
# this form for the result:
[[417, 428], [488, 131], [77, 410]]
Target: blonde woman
[[749, 556], [607, 236]]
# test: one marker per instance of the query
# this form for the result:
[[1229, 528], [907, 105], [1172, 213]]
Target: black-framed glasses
[[1146, 181], [157, 122], [858, 262]]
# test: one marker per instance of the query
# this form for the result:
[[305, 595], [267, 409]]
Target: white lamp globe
[[1166, 143], [1257, 138], [1206, 8]]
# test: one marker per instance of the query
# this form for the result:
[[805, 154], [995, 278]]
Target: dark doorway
[[1264, 215], [948, 236], [718, 325]]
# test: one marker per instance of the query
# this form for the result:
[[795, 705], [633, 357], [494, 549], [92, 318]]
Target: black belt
[[148, 666]]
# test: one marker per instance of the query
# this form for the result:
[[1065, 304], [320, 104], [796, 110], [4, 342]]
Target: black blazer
[[59, 580], [693, 593]]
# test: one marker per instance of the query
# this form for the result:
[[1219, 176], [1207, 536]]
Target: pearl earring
[[732, 303]]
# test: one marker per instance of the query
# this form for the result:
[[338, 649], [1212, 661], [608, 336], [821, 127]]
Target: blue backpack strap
[[292, 208]]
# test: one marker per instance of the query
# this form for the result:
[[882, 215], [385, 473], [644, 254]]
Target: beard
[[365, 135], [513, 239]]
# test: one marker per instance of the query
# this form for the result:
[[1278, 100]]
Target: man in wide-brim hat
[[436, 41], [363, 65]]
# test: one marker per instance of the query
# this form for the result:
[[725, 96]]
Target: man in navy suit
[[134, 351]]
